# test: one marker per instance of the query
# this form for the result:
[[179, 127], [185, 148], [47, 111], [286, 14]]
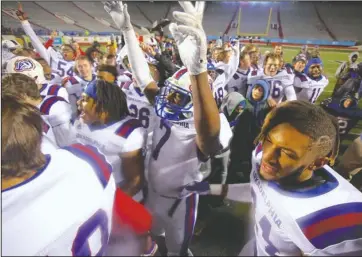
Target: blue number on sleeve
[[163, 139], [80, 245], [266, 228]]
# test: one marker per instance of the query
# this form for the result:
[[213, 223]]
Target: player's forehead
[[286, 136], [272, 61]]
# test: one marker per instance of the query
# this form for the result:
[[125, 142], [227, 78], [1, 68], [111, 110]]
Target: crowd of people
[[111, 153]]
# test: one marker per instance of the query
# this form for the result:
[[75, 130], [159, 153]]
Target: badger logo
[[24, 65]]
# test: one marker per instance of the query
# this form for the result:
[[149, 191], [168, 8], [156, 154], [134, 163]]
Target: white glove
[[190, 38], [119, 14], [139, 66]]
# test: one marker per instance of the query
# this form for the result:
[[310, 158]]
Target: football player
[[37, 187], [281, 81], [298, 64], [189, 118], [55, 110], [310, 84], [34, 69], [60, 63], [278, 49], [51, 77], [255, 59], [76, 84], [103, 122], [225, 72], [238, 83], [345, 110], [302, 206]]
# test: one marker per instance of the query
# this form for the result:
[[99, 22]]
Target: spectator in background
[[249, 123], [344, 70]]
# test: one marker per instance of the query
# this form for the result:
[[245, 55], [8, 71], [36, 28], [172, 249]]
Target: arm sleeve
[[137, 60], [64, 94], [135, 141], [225, 132], [38, 45], [290, 93], [60, 121]]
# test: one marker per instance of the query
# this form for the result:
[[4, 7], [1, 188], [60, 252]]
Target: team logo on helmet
[[24, 65]]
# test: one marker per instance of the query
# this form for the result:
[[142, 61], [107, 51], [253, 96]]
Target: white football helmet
[[26, 66], [174, 101]]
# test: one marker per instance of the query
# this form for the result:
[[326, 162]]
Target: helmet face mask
[[174, 101]]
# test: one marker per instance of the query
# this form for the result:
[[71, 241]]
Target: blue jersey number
[[61, 66], [276, 87], [219, 95], [81, 246], [143, 115], [163, 139]]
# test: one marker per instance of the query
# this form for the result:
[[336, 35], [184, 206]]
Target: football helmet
[[28, 67], [174, 101]]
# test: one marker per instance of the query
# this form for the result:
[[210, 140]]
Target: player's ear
[[320, 162]]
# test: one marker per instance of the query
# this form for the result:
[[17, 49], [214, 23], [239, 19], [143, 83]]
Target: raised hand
[[118, 11], [22, 16], [192, 15], [190, 37]]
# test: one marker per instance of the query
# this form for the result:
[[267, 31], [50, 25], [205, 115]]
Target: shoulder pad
[[92, 156], [73, 80], [302, 77], [54, 89], [49, 102], [128, 127]]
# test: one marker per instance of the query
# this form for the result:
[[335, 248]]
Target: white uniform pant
[[175, 218]]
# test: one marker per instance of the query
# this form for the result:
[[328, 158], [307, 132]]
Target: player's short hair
[[250, 48], [308, 119], [21, 134], [19, 84], [112, 100], [108, 68], [272, 56], [243, 54]]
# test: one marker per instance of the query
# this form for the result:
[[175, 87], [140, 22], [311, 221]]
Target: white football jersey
[[64, 209], [52, 89], [47, 145], [56, 61], [281, 85], [75, 87], [140, 108], [175, 159], [322, 221], [308, 89], [112, 140], [55, 79], [56, 111], [239, 82]]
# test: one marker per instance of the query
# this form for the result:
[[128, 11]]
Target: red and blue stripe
[[190, 220], [180, 73], [53, 90], [128, 127], [48, 103], [333, 225], [258, 149], [92, 156]]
